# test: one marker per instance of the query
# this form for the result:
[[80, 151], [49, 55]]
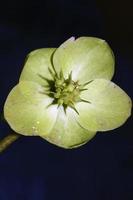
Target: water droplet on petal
[[59, 137], [35, 131]]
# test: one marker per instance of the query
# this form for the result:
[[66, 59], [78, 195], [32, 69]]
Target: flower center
[[67, 92]]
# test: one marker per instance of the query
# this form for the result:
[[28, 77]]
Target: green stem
[[7, 141]]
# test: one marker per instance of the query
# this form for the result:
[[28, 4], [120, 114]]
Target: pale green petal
[[26, 109], [87, 57], [108, 109], [38, 63], [66, 132]]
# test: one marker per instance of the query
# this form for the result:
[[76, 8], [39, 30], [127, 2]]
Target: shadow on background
[[34, 169]]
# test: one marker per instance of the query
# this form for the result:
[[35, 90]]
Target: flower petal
[[108, 109], [38, 63], [66, 132], [26, 110], [88, 58]]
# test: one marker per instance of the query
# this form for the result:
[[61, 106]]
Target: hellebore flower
[[65, 95]]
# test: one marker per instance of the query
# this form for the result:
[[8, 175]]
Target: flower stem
[[7, 141]]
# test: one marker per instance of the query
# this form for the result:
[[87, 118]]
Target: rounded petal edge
[[87, 58], [38, 65], [27, 112], [67, 133], [109, 106]]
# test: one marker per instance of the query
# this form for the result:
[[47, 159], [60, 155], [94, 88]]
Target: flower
[[65, 95]]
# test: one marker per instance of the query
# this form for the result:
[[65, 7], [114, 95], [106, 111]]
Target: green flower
[[65, 95]]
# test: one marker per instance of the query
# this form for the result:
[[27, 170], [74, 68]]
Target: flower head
[[65, 95]]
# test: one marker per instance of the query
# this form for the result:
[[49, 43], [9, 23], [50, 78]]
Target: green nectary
[[65, 95]]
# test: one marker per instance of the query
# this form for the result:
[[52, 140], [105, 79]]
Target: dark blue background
[[32, 169]]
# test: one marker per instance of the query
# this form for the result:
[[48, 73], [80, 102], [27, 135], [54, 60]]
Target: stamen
[[87, 83], [74, 109], [70, 77], [83, 100], [83, 89], [61, 75], [52, 73]]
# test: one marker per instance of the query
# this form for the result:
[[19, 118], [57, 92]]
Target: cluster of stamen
[[65, 92]]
